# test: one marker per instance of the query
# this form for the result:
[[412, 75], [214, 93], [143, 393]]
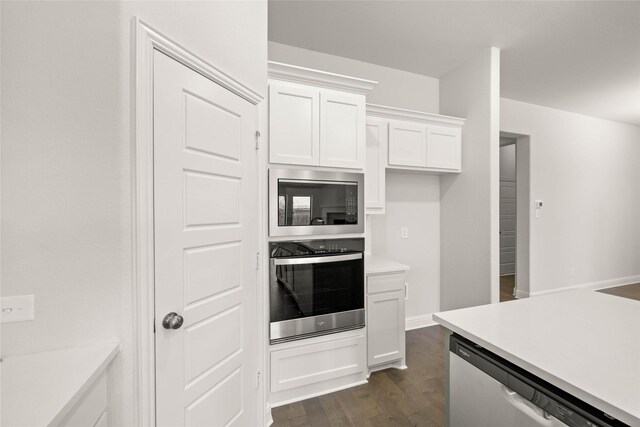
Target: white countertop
[[39, 389], [585, 342], [376, 265]]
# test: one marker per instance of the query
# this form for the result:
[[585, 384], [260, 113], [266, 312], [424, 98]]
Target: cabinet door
[[374, 173], [342, 129], [385, 327], [407, 144], [443, 147], [294, 120]]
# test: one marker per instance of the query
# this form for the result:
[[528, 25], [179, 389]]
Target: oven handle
[[316, 260]]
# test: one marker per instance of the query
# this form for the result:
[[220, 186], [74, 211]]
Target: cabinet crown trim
[[296, 74], [382, 111]]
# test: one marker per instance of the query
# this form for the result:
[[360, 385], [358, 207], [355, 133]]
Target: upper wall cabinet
[[374, 174], [294, 124], [421, 141], [316, 118]]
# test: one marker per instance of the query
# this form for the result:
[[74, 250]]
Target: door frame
[[146, 40], [524, 216]]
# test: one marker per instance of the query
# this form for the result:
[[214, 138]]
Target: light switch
[[538, 205], [404, 232], [17, 309]]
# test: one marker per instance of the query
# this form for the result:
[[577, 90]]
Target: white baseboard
[[602, 284], [521, 294], [416, 322]]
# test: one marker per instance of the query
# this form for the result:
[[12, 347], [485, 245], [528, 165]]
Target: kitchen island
[[585, 343]]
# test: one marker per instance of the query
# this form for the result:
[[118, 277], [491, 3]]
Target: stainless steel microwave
[[303, 202]]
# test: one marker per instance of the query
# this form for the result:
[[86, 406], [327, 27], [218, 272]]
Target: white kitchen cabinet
[[421, 141], [342, 129], [316, 118], [407, 144], [66, 387], [314, 366], [444, 147], [294, 124], [386, 320], [374, 173], [91, 410]]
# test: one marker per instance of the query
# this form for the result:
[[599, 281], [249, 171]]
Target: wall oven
[[303, 202], [316, 288]]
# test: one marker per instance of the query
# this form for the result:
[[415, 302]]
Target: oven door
[[314, 295], [303, 202]]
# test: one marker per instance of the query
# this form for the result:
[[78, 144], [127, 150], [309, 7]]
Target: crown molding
[[295, 74], [393, 113]]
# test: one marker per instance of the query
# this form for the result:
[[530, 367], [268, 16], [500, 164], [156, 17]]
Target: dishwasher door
[[478, 400]]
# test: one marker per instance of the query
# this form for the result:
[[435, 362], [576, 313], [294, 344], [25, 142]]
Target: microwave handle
[[316, 260]]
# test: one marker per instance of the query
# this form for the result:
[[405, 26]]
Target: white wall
[[396, 88], [412, 199], [586, 172], [67, 100], [469, 201]]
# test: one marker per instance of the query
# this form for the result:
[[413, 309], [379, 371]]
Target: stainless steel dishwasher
[[488, 391]]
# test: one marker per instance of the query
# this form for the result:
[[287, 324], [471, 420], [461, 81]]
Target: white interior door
[[205, 191]]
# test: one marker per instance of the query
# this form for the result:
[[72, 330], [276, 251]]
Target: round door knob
[[172, 321]]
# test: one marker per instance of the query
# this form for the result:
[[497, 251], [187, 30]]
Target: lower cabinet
[[386, 321], [315, 366], [91, 409]]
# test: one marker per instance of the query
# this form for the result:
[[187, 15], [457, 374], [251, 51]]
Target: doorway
[[514, 221]]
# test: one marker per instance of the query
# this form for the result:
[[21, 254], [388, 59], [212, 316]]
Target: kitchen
[[454, 214]]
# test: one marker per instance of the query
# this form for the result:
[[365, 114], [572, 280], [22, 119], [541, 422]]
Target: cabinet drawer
[[385, 282], [309, 364]]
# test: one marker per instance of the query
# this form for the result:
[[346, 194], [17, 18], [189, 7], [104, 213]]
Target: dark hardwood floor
[[626, 291], [507, 283], [412, 397]]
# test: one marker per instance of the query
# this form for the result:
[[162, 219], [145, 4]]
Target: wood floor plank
[[626, 291], [334, 412]]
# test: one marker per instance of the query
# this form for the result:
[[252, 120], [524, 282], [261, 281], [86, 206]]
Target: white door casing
[[206, 240]]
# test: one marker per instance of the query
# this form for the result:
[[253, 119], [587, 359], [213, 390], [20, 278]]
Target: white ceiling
[[575, 56]]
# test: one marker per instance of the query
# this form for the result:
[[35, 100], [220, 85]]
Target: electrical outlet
[[17, 309], [572, 272], [404, 232]]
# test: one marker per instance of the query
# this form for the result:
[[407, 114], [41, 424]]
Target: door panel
[[443, 147], [407, 144], [342, 119], [205, 189], [294, 124], [374, 176]]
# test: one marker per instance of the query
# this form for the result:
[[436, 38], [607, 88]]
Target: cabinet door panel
[[407, 144], [294, 132], [443, 147], [342, 121], [374, 174], [385, 327]]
